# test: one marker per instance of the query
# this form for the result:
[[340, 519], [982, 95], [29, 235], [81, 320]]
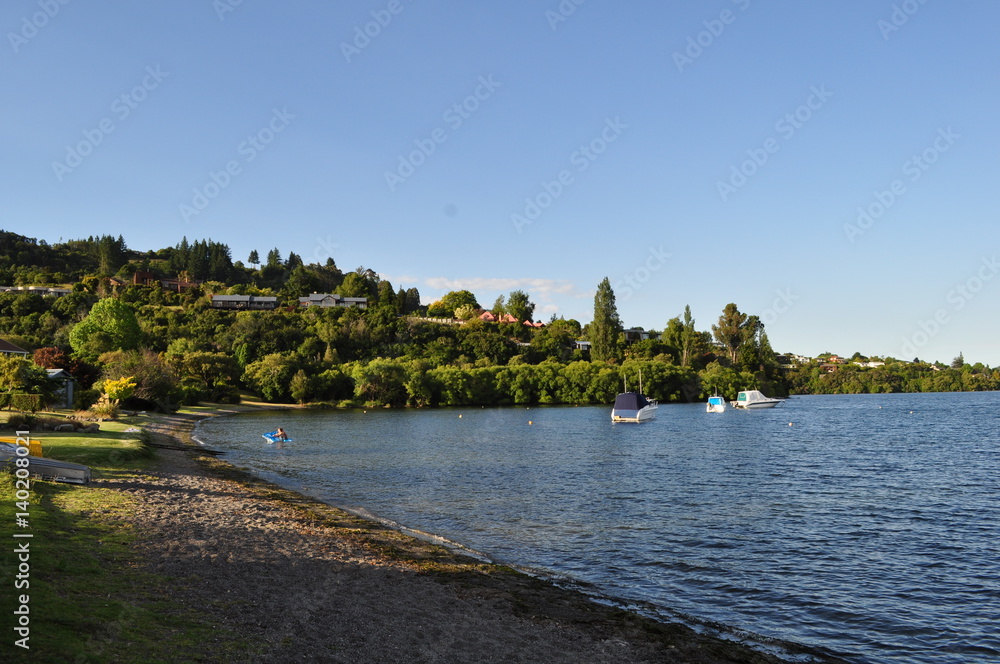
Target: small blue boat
[[272, 437]]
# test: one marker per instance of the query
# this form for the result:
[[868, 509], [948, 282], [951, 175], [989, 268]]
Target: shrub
[[21, 421], [26, 402], [84, 399], [104, 410]]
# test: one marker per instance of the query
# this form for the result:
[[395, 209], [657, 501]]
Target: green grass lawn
[[90, 600]]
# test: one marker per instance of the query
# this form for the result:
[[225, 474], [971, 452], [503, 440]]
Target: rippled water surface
[[865, 525]]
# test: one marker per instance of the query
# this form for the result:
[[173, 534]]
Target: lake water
[[861, 525]]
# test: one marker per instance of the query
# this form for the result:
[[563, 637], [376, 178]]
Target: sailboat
[[633, 406]]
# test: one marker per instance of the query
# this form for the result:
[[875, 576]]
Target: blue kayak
[[272, 437]]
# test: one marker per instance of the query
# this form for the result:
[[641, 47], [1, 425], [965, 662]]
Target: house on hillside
[[535, 325], [488, 317], [37, 290], [333, 300], [8, 348], [245, 302], [634, 334], [174, 285], [507, 318]]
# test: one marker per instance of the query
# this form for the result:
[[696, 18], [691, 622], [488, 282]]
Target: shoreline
[[516, 616]]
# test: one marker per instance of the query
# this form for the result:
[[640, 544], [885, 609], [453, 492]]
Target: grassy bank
[[89, 598]]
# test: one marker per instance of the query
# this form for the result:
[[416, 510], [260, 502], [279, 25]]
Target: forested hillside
[[149, 317]]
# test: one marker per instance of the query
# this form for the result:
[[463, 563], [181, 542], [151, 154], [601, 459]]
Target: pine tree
[[274, 258]]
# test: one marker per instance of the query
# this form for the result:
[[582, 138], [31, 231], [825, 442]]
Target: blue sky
[[830, 167]]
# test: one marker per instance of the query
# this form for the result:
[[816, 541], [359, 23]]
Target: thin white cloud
[[541, 290]]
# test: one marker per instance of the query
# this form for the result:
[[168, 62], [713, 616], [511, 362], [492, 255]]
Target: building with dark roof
[[245, 302]]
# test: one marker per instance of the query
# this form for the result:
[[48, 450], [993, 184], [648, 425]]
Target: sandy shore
[[299, 581]]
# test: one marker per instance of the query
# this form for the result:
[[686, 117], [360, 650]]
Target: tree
[[958, 362], [519, 307], [729, 332], [51, 357], [749, 350], [271, 376], [254, 258], [213, 374], [689, 338], [111, 325], [465, 312], [499, 306], [354, 285], [412, 302], [19, 374], [446, 306], [300, 387], [154, 379], [606, 326]]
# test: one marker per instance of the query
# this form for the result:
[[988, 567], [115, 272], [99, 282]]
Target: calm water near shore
[[866, 525]]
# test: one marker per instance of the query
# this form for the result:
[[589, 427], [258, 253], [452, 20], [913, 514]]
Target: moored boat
[[755, 399], [633, 406], [716, 404]]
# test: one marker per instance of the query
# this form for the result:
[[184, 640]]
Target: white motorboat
[[716, 404], [633, 406], [754, 399]]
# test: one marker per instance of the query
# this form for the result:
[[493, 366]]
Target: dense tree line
[[177, 348]]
